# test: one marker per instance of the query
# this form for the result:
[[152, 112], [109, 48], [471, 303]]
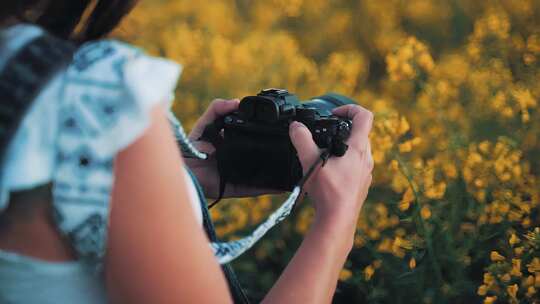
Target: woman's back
[[58, 173]]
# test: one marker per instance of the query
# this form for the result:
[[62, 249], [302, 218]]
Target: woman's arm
[[157, 251], [311, 276], [338, 191]]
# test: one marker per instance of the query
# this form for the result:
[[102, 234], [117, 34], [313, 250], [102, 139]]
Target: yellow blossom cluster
[[492, 29], [497, 177], [387, 132], [409, 61], [455, 88], [515, 275]]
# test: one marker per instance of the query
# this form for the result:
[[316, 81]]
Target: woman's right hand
[[338, 190], [340, 187]]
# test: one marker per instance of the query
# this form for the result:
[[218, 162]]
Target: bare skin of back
[[27, 227]]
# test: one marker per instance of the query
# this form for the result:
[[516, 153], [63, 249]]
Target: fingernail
[[296, 124], [293, 127]]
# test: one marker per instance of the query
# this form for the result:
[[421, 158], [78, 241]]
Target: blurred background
[[453, 214]]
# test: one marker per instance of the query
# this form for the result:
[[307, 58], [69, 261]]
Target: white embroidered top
[[70, 136]]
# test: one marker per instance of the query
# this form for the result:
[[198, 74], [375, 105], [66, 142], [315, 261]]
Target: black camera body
[[253, 147]]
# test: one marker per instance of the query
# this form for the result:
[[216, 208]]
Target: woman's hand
[[338, 190], [340, 187], [206, 170]]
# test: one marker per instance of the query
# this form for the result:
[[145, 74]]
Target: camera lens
[[326, 103]]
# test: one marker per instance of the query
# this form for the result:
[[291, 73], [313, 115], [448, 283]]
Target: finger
[[217, 108], [365, 189], [220, 107], [362, 120], [369, 161], [302, 140]]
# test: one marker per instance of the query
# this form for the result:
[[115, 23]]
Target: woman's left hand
[[206, 170]]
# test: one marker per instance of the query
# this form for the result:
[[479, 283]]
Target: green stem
[[420, 221]]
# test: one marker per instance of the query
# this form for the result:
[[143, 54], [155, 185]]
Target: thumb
[[302, 140], [218, 107]]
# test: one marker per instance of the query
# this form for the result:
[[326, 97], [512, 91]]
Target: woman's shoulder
[[116, 64], [109, 89], [107, 55], [101, 103]]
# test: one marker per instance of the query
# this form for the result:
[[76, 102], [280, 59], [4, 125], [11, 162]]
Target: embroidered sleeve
[[108, 93]]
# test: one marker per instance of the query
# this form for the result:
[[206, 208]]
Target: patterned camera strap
[[228, 251]]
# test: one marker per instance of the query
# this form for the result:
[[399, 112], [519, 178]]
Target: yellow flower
[[512, 291], [488, 279], [403, 243], [369, 271], [426, 61], [482, 290], [531, 291], [529, 281], [345, 274], [506, 278], [385, 245], [513, 239], [405, 147], [425, 212], [304, 220], [525, 101], [408, 198], [412, 263], [450, 170], [394, 165], [534, 266], [484, 146], [409, 59], [435, 191], [403, 126], [496, 257], [490, 300], [533, 43], [529, 59], [516, 268]]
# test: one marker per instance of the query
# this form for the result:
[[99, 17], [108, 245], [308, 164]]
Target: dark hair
[[76, 20]]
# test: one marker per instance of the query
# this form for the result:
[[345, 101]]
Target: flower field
[[453, 215]]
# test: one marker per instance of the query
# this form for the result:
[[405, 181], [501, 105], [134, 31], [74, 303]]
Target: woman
[[110, 105]]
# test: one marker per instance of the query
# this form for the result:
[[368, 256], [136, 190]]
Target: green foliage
[[453, 215]]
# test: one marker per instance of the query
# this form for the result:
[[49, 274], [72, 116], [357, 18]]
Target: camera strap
[[212, 134], [187, 148], [228, 251], [22, 78]]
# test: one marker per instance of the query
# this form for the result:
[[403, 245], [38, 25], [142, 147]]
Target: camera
[[253, 147]]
